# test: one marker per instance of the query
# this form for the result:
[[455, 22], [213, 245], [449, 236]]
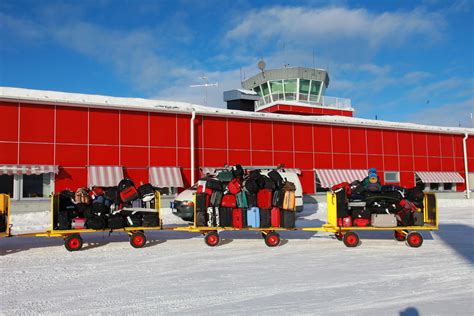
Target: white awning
[[104, 176], [439, 177], [166, 177], [330, 177], [28, 169]]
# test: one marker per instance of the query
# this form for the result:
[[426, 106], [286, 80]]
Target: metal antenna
[[205, 85]]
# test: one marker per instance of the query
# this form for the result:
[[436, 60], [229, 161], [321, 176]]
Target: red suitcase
[[264, 198], [237, 218], [275, 217], [129, 194], [361, 222], [228, 200], [345, 221]]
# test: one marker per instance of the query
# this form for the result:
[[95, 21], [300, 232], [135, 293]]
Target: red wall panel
[[322, 139], [390, 143], [434, 148], [71, 155], [165, 157], [214, 157], [374, 141], [405, 143], [9, 125], [104, 127], [448, 164], [459, 164], [285, 158], [282, 136], [41, 154], [184, 158], [375, 162], [470, 164], [138, 175], [261, 135], [434, 164], [458, 149], [184, 135], [419, 144], [406, 163], [358, 144], [262, 158], [303, 137], [341, 161], [391, 163], [71, 125], [447, 149], [215, 132], [70, 178], [358, 162], [36, 123], [199, 132], [323, 161], [241, 157], [340, 139], [8, 153], [470, 146], [303, 160], [103, 155], [163, 129], [407, 179], [134, 156], [239, 134], [134, 128], [421, 164]]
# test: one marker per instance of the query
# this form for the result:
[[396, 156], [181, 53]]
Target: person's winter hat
[[372, 170]]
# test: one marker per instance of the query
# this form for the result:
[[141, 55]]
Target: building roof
[[286, 73], [138, 104]]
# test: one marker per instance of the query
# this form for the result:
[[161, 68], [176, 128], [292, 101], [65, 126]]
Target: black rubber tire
[[212, 239], [73, 242], [351, 239], [414, 240], [272, 239], [399, 236], [339, 236], [138, 240]]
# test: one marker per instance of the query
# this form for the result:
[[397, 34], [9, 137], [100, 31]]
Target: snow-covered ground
[[311, 273]]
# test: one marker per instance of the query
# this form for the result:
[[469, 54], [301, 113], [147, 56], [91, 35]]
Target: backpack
[[238, 172], [82, 196], [277, 179]]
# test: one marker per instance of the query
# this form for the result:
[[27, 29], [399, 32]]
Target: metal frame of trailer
[[5, 208], [72, 237]]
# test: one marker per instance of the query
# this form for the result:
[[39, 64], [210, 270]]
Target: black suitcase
[[201, 202], [244, 217], [225, 216], [216, 198], [342, 203], [150, 220], [265, 220], [214, 184], [287, 219], [201, 218], [135, 220], [64, 220], [116, 221], [278, 198], [251, 199], [96, 222], [112, 194]]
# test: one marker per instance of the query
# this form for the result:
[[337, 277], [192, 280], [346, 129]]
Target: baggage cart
[[72, 237], [4, 215]]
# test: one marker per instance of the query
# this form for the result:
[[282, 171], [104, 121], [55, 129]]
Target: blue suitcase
[[253, 217]]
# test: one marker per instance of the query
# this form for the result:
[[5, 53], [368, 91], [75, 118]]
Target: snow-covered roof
[[138, 104], [245, 91]]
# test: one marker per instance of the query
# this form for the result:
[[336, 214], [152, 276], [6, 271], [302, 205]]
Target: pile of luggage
[[108, 208], [240, 200], [367, 203]]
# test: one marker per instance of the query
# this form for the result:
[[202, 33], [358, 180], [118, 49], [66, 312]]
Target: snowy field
[[176, 273]]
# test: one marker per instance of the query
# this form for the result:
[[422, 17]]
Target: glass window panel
[[277, 86], [265, 88], [6, 184], [304, 86], [434, 186], [315, 86], [290, 86], [257, 89], [36, 185], [392, 177], [448, 186]]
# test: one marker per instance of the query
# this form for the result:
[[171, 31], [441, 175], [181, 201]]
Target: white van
[[183, 205]]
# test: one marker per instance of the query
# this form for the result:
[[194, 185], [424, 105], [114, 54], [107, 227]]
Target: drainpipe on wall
[[193, 116], [466, 170]]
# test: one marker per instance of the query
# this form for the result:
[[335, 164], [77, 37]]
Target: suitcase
[[96, 222], [360, 212], [238, 172], [287, 219], [129, 194], [276, 178], [234, 186], [112, 194], [225, 216], [264, 198], [251, 199], [265, 218], [212, 217], [64, 220], [214, 184], [78, 223], [125, 183], [201, 201], [146, 192], [344, 222], [228, 200], [361, 222], [216, 198], [237, 221], [251, 186], [278, 198], [405, 217], [241, 199], [201, 218], [269, 184], [150, 220], [383, 220], [289, 201], [225, 175], [134, 220], [418, 219], [116, 221], [275, 217], [253, 217], [341, 203]]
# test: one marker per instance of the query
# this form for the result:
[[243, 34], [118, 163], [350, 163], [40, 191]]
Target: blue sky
[[399, 60]]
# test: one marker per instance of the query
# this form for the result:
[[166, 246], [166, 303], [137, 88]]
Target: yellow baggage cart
[[4, 215]]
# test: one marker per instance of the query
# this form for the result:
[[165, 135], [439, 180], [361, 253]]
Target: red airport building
[[50, 141]]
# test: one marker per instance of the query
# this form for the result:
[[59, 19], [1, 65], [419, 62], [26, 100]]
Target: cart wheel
[[351, 239], [138, 240], [399, 235], [212, 239], [339, 236], [73, 242], [272, 239], [414, 239]]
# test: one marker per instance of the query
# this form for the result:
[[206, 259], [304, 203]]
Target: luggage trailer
[[72, 237], [348, 235], [5, 214]]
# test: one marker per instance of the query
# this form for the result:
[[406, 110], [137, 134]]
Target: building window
[[434, 186], [304, 89], [449, 187], [36, 186], [266, 92], [277, 90], [314, 93], [6, 184], [392, 176], [290, 89]]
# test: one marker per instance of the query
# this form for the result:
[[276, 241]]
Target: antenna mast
[[205, 85]]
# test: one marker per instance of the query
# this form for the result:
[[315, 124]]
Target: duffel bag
[[146, 192], [238, 172], [150, 220], [277, 179], [116, 221], [214, 184], [225, 175], [251, 185], [96, 222]]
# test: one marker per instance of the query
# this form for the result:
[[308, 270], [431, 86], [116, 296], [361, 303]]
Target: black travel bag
[[287, 219], [265, 220], [146, 192], [201, 202], [225, 216], [96, 222], [277, 179], [216, 198], [116, 221], [278, 198], [251, 185], [342, 203], [214, 184]]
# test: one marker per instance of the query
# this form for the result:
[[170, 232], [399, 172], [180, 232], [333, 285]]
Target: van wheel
[[351, 239], [73, 242], [138, 240], [212, 239]]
